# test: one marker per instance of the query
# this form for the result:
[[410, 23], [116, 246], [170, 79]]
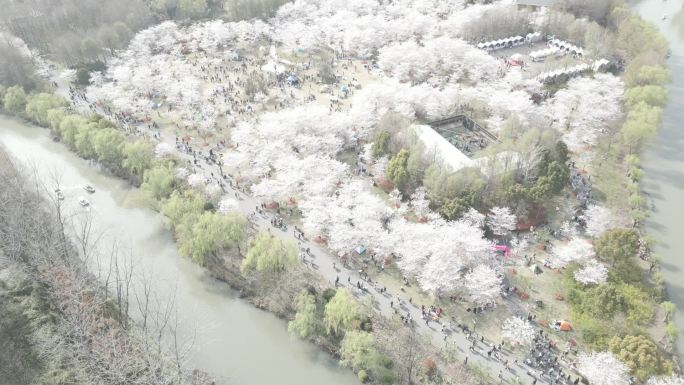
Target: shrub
[[363, 376], [429, 367]]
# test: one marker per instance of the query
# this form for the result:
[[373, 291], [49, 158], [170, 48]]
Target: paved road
[[325, 262]]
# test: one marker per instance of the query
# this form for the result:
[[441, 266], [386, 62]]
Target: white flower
[[518, 330], [592, 272], [575, 250], [603, 369]]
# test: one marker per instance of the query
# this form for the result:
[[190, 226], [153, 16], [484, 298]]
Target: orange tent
[[565, 326]]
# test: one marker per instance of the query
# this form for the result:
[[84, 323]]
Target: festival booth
[[508, 42], [533, 37], [542, 54], [517, 60]]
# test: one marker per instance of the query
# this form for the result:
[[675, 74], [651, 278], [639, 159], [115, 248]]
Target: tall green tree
[[649, 94], [38, 106], [306, 322], [191, 9], [358, 350], [641, 355], [182, 210], [158, 183], [268, 254], [381, 143], [137, 157], [212, 233], [14, 100], [342, 313], [618, 247], [397, 169], [69, 127], [108, 144]]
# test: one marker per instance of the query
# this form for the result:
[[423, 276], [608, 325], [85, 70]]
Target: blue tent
[[344, 88], [360, 250], [292, 79]]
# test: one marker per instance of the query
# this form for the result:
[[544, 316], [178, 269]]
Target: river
[[664, 160], [235, 342]]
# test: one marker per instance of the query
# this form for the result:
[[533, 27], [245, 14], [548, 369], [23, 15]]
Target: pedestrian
[[465, 362]]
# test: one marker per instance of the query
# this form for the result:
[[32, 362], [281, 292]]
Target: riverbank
[[233, 341], [663, 160], [593, 276]]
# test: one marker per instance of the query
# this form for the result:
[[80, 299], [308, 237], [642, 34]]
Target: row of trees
[[610, 316], [92, 138], [376, 349], [75, 31]]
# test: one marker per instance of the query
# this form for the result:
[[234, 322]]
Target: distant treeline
[[82, 34]]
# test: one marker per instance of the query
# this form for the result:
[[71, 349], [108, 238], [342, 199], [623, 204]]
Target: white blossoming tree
[[196, 180], [575, 250], [673, 380], [473, 218], [420, 203], [593, 272], [501, 221], [228, 204], [603, 368], [164, 150], [518, 331], [598, 219], [482, 286]]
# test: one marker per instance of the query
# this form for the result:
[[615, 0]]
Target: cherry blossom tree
[[196, 180], [228, 204], [593, 272], [438, 61], [602, 368], [673, 380], [419, 203], [518, 331], [482, 286], [598, 219], [296, 178], [575, 250], [395, 197], [573, 109], [164, 150], [474, 218], [500, 221]]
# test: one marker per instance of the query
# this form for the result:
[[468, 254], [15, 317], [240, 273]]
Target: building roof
[[445, 150]]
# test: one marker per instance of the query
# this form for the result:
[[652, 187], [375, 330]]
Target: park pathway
[[326, 264]]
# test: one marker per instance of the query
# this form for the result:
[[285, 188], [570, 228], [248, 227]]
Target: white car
[[89, 188], [83, 202]]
